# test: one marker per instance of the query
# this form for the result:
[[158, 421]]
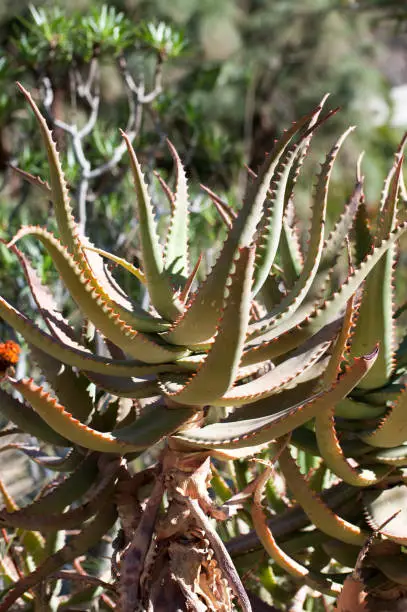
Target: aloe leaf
[[380, 397], [184, 294], [276, 380], [226, 213], [70, 387], [36, 181], [154, 424], [68, 463], [250, 432], [158, 281], [325, 429], [335, 243], [91, 265], [96, 309], [143, 433], [66, 492], [392, 430], [380, 505], [304, 323], [318, 513], [46, 304], [33, 542], [26, 419], [100, 278], [291, 255], [394, 456], [198, 323], [398, 161], [355, 410], [376, 311], [287, 563], [289, 246], [44, 520], [295, 171], [218, 372], [272, 220], [78, 545], [337, 237], [59, 190], [238, 453], [176, 246], [297, 294], [63, 423], [139, 274], [335, 459], [363, 236], [125, 387], [72, 356]]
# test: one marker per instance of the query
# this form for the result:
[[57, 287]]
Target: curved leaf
[[217, 373], [161, 294], [250, 432]]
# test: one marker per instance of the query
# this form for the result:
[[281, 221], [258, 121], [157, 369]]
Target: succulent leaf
[[59, 190], [376, 310], [392, 430], [295, 297], [381, 505], [290, 565], [22, 415], [319, 513], [60, 420], [42, 519], [139, 274], [36, 181], [80, 358], [78, 545], [67, 491], [278, 378], [218, 372], [325, 429], [94, 306], [274, 424], [176, 246], [70, 387], [161, 294], [198, 324], [307, 321]]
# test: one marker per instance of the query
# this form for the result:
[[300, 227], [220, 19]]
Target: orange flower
[[9, 354]]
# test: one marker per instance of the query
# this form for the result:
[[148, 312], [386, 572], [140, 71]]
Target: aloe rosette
[[265, 348]]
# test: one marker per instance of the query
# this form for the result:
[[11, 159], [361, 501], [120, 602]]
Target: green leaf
[[176, 246], [158, 281], [375, 324], [198, 323], [297, 294], [70, 387], [218, 371], [80, 358], [275, 423], [392, 430], [307, 320], [94, 307], [28, 421], [381, 505]]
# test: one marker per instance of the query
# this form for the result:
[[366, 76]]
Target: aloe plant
[[250, 359]]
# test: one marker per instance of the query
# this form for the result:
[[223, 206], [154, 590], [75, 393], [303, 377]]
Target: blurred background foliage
[[221, 79]]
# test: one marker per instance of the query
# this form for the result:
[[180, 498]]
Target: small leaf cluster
[[51, 35]]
